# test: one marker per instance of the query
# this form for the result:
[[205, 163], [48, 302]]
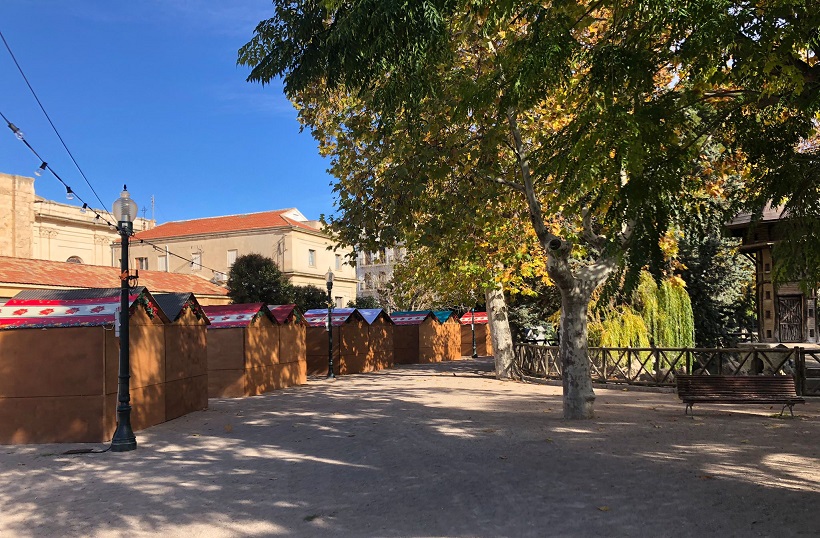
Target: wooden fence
[[657, 366]]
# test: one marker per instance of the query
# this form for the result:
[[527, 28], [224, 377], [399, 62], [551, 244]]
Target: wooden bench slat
[[737, 390]]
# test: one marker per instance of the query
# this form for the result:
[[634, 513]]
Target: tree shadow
[[412, 452]]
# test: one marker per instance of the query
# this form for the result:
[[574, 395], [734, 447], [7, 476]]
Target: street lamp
[[329, 281], [472, 325], [125, 210]]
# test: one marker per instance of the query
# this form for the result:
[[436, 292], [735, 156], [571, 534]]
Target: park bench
[[727, 389]]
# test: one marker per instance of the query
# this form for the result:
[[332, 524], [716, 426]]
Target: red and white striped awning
[[479, 318]]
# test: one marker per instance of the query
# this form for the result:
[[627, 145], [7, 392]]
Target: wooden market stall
[[292, 367], [186, 354], [449, 335], [243, 350], [479, 322], [406, 335], [380, 343], [59, 357], [350, 342]]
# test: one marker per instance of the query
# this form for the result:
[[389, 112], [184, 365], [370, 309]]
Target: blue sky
[[148, 93]]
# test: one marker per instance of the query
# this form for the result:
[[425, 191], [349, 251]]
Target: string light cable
[[33, 93], [71, 194]]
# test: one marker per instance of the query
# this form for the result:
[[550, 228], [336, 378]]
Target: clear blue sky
[[148, 93]]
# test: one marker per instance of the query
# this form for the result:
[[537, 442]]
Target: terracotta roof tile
[[75, 275], [229, 223]]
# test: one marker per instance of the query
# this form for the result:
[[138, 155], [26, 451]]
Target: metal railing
[[656, 366]]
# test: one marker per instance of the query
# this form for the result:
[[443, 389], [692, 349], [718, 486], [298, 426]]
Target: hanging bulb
[[69, 194], [84, 208], [39, 171], [17, 132]]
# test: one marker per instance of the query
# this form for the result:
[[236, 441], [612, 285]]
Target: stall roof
[[317, 317], [372, 314], [173, 304], [410, 317], [444, 315], [43, 309], [285, 313], [480, 318], [235, 315]]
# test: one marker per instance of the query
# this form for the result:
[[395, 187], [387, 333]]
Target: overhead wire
[[36, 98], [69, 191], [45, 166]]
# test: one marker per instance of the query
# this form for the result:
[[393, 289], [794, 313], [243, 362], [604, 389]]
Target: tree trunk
[[573, 350], [500, 334]]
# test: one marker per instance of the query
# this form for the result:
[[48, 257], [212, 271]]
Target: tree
[[364, 302], [309, 297], [254, 278], [591, 116]]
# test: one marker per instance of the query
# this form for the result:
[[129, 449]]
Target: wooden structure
[[292, 369], [722, 389], [186, 354], [380, 342], [477, 322], [59, 355], [785, 313], [420, 337], [243, 352], [351, 348], [406, 334], [449, 334]]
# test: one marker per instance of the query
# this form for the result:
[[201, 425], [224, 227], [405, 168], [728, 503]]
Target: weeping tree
[[591, 116]]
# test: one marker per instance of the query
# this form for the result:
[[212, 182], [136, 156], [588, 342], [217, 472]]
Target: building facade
[[42, 229], [209, 247], [785, 313], [374, 270]]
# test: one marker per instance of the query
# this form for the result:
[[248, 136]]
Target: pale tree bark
[[576, 286], [500, 334]]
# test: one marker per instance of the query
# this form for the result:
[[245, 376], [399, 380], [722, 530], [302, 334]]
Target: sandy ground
[[431, 450]]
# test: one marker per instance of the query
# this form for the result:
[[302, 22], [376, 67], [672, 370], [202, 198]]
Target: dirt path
[[431, 450]]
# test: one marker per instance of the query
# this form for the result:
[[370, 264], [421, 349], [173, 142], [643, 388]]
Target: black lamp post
[[329, 281], [125, 210], [472, 326]]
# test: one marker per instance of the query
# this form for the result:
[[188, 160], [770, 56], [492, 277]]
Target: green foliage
[[624, 328], [255, 278], [364, 302], [309, 297], [720, 283], [654, 315]]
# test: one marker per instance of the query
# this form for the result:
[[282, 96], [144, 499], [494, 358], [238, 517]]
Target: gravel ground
[[431, 450]]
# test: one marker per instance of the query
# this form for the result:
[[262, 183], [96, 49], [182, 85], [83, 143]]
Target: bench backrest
[[735, 386]]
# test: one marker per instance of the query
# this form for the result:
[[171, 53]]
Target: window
[[162, 263], [231, 258], [340, 302], [311, 257], [196, 261], [142, 263], [338, 261], [368, 281], [74, 259], [768, 294]]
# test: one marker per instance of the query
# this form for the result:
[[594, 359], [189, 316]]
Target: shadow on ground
[[431, 450]]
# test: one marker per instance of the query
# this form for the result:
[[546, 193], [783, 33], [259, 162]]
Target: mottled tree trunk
[[500, 334], [578, 394]]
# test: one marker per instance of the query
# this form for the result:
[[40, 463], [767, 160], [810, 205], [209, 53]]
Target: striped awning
[[235, 315], [286, 313], [412, 317], [44, 309], [317, 317], [372, 314], [480, 318]]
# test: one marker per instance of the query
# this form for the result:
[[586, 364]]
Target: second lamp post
[[329, 280]]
